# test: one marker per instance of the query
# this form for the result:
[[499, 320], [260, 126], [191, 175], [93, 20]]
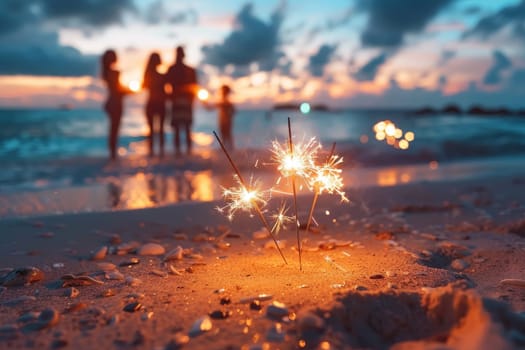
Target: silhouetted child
[[226, 112]]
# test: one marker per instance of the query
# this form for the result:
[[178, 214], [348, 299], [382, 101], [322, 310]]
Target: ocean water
[[45, 152]]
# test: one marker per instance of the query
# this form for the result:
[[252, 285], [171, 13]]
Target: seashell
[[100, 253], [71, 280], [22, 276], [114, 275], [174, 254], [513, 282], [260, 297], [127, 247], [150, 249], [174, 271], [159, 273]]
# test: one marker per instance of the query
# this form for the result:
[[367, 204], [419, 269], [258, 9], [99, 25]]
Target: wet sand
[[421, 265]]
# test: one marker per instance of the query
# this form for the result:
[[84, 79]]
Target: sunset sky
[[345, 53]]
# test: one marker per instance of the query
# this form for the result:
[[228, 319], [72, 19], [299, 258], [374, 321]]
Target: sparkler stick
[[316, 193], [295, 197], [254, 203]]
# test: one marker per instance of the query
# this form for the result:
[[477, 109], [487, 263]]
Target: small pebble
[[376, 276], [255, 305], [459, 264], [200, 326], [130, 262], [513, 282], [22, 276], [225, 301], [277, 309], [108, 293], [71, 292], [132, 281], [132, 307], [105, 266], [159, 273], [360, 288], [220, 314]]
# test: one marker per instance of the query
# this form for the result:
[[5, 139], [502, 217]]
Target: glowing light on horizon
[[305, 108], [387, 131]]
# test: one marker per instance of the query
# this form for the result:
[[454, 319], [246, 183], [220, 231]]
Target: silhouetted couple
[[181, 81]]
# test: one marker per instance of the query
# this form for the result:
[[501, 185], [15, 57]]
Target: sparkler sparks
[[281, 219], [244, 198], [327, 178], [300, 162]]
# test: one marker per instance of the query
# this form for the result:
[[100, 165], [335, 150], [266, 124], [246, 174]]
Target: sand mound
[[440, 318]]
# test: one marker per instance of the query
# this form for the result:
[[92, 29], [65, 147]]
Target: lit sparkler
[[246, 197], [295, 161], [327, 178]]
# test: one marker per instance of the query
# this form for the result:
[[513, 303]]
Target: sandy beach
[[423, 265]]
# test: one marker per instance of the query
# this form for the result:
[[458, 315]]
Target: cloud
[[368, 71], [501, 63], [512, 16], [31, 52], [252, 41], [89, 12], [389, 21], [157, 13], [446, 55], [320, 59], [14, 14]]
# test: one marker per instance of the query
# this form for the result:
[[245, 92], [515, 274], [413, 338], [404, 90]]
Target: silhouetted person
[[225, 112], [183, 81], [114, 103], [154, 82]]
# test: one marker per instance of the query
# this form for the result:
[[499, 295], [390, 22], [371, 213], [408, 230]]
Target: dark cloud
[[37, 53], [252, 41], [368, 71], [512, 16], [320, 59], [332, 23], [390, 20], [90, 12], [501, 63], [14, 14]]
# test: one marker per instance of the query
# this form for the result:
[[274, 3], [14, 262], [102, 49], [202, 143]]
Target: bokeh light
[[305, 108]]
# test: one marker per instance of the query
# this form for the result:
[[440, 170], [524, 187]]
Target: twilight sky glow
[[345, 53]]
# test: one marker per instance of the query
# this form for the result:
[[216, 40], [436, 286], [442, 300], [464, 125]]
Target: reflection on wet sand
[[147, 190]]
